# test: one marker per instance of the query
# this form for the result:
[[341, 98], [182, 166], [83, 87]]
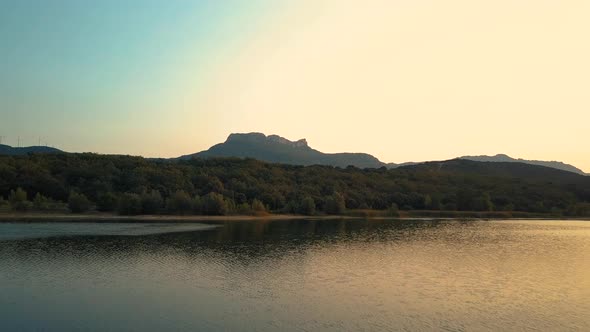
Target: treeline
[[134, 185]]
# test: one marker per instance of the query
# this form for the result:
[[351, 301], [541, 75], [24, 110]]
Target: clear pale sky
[[402, 80]]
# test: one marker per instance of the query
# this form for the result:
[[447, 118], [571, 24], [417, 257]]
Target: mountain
[[515, 170], [12, 151], [277, 149], [507, 159]]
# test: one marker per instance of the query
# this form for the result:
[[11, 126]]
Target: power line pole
[[18, 142]]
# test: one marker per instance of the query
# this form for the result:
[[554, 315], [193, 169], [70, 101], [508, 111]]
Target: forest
[[129, 185]]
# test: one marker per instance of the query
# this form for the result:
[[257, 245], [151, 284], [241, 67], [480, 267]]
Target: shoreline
[[62, 217], [48, 217]]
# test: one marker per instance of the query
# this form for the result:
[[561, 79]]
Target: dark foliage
[[78, 203], [134, 185]]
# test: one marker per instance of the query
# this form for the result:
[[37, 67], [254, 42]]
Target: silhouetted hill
[[12, 151], [277, 149], [518, 170], [508, 159]]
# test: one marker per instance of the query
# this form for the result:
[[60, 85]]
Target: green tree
[[243, 209], [258, 207], [129, 204], [151, 202], [180, 202], [197, 205], [428, 202], [307, 206], [107, 202], [78, 203], [214, 204], [335, 204], [18, 200], [393, 210], [40, 202], [483, 203]]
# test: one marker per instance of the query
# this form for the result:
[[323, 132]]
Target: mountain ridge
[[277, 149], [507, 159], [20, 151], [274, 148]]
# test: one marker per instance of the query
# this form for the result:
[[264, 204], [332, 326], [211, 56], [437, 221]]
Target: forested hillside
[[134, 185]]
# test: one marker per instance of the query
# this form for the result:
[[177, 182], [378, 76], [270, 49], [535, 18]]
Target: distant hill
[[277, 149], [12, 151], [507, 159], [518, 170]]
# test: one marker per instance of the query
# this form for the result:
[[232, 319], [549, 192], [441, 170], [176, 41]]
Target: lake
[[296, 275]]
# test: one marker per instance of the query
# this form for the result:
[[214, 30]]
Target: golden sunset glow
[[402, 80]]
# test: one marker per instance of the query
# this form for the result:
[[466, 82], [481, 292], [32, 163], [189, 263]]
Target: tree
[[243, 209], [393, 210], [129, 204], [18, 200], [197, 205], [335, 204], [307, 206], [78, 203], [107, 202], [40, 202], [258, 207], [214, 204], [428, 202], [180, 202], [579, 209], [151, 202], [459, 185], [483, 203]]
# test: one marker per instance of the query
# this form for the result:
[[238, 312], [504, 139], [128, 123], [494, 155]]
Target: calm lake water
[[296, 275]]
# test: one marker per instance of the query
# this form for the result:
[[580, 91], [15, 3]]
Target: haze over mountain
[[274, 148], [277, 149], [19, 151], [507, 159]]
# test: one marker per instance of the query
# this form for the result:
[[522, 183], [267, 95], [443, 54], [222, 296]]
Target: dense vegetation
[[134, 185]]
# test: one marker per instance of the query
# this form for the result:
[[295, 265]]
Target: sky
[[403, 80]]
